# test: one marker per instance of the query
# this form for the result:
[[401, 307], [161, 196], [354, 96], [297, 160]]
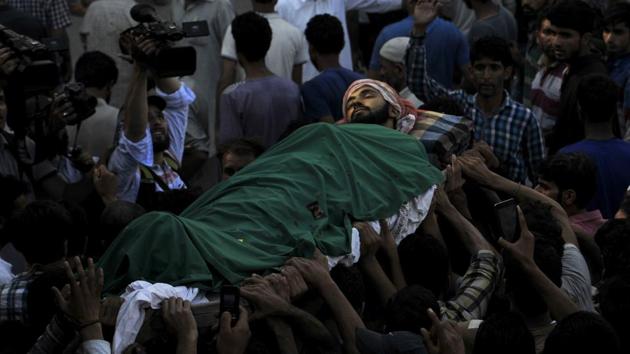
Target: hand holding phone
[[229, 301], [506, 216]]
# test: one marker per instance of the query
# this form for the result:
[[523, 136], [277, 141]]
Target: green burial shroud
[[304, 192]]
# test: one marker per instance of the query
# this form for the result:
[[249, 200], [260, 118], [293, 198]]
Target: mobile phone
[[507, 219], [229, 301]]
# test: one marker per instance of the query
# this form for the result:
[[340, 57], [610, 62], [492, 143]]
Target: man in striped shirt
[[507, 126]]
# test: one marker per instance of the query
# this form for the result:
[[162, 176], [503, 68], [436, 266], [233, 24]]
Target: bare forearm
[[136, 114], [398, 278], [346, 317], [187, 345], [373, 270], [558, 302], [308, 326], [284, 336], [467, 233]]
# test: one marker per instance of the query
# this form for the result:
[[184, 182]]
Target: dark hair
[[525, 297], [407, 309], [618, 13], [574, 15], [114, 218], [241, 147], [581, 333], [494, 48], [542, 223], [614, 243], [95, 69], [444, 104], [597, 96], [615, 307], [325, 33], [425, 262], [572, 171], [252, 36], [350, 282], [504, 333], [10, 189], [39, 231]]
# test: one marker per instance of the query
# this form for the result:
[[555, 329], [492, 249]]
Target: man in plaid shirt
[[507, 126]]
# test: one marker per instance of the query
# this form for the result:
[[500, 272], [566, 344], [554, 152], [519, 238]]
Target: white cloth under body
[[139, 296]]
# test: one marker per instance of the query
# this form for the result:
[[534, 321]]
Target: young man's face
[[547, 188], [617, 39], [544, 39], [366, 105], [489, 76], [566, 43], [159, 129]]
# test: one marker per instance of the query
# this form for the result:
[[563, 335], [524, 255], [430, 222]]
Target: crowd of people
[[457, 182]]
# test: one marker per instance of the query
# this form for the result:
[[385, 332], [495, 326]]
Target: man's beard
[[377, 116], [161, 144]]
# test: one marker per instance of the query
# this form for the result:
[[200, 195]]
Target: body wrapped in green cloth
[[302, 193]]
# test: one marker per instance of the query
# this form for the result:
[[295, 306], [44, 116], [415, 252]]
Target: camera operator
[[150, 150], [38, 150]]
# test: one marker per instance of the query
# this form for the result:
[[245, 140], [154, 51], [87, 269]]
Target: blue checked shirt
[[512, 131]]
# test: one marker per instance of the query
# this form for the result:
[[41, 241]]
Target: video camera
[[169, 61], [36, 69]]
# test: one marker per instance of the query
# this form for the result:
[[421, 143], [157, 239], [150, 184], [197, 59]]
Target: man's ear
[[392, 112], [507, 73], [568, 197], [400, 67]]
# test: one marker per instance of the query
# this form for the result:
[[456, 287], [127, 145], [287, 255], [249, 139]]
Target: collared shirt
[[299, 12], [545, 94], [13, 298], [620, 73], [128, 155], [475, 289], [54, 14], [512, 130]]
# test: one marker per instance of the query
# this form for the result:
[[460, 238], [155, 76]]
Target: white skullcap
[[394, 49]]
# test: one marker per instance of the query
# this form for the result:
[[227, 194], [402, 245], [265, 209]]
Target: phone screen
[[507, 219]]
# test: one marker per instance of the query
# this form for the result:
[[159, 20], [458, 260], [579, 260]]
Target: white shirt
[[288, 46], [96, 133], [103, 22], [5, 272], [299, 12], [127, 156]]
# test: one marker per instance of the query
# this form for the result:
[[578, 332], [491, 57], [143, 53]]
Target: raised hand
[[314, 271], [82, 300], [523, 249], [443, 337], [179, 319], [233, 340], [262, 294], [370, 240]]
